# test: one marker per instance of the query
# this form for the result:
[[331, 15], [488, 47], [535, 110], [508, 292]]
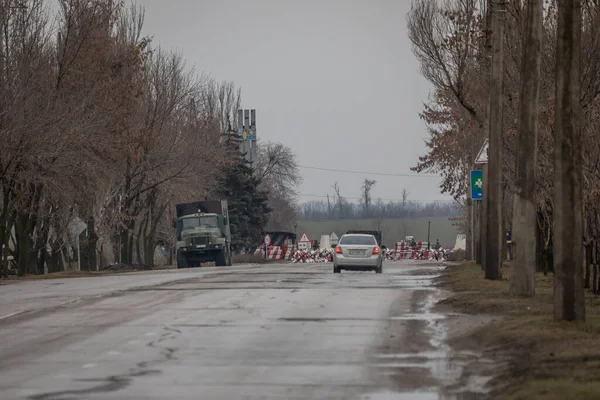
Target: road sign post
[[477, 185]]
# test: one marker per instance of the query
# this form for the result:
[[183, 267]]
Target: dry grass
[[549, 359]]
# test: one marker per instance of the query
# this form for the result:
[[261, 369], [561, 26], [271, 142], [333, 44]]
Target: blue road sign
[[477, 185]]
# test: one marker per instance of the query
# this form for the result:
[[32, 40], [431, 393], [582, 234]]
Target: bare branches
[[446, 41], [96, 123], [278, 173]]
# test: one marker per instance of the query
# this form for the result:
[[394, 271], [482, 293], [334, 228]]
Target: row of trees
[[96, 123], [549, 117], [340, 207]]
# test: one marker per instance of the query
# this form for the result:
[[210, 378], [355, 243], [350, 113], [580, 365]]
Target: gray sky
[[333, 79]]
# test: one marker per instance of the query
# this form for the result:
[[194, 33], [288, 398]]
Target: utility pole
[[524, 222], [495, 229], [428, 232], [469, 226], [569, 300], [483, 208], [476, 231]]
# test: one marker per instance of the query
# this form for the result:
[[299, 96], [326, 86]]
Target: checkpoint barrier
[[401, 251], [313, 256], [279, 253]]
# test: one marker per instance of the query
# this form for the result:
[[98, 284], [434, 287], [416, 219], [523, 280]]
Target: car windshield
[[359, 240]]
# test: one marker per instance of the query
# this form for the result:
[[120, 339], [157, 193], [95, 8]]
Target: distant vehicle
[[203, 233], [378, 235], [358, 252]]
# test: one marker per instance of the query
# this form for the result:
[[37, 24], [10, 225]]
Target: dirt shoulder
[[538, 358]]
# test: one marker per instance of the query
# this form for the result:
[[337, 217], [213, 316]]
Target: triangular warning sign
[[482, 156], [304, 238]]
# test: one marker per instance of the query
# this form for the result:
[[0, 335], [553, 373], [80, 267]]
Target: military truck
[[203, 233]]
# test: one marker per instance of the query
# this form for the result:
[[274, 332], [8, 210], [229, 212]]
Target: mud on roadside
[[432, 358], [532, 356]]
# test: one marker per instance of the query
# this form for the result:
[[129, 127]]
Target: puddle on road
[[418, 317], [446, 366]]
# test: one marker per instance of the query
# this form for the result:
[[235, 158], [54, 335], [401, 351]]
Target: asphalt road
[[255, 332]]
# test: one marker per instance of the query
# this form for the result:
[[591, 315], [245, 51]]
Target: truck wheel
[[221, 259], [182, 261]]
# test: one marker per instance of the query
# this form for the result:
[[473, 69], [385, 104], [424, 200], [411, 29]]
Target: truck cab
[[203, 236]]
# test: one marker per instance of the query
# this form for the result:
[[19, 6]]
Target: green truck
[[203, 233]]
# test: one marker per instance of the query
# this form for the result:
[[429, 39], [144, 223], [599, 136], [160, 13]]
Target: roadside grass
[[548, 359]]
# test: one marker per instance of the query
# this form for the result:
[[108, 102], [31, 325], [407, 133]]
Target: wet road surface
[[263, 332]]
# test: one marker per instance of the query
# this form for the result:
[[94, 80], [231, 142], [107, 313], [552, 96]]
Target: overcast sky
[[335, 80]]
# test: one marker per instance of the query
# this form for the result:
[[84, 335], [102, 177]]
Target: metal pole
[[473, 244]]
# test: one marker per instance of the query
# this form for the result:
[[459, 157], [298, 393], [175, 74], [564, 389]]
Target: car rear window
[[360, 240]]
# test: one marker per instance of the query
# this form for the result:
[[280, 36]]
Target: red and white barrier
[[401, 251], [278, 253], [312, 256]]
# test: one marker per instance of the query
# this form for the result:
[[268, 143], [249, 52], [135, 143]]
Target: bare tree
[[569, 299], [276, 166], [222, 100], [338, 200], [366, 195], [277, 170], [524, 221], [404, 200]]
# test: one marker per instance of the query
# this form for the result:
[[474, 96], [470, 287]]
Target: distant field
[[393, 230]]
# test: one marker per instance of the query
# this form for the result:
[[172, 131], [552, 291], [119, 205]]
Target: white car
[[357, 252]]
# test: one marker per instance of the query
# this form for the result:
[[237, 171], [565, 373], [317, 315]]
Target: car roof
[[357, 234]]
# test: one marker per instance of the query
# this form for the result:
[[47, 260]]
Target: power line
[[347, 171], [377, 198]]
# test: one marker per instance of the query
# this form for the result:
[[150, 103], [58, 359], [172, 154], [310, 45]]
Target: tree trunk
[[594, 266], [483, 237], [139, 240], [24, 229], [40, 246], [588, 265], [495, 231], [524, 222], [91, 244], [569, 301], [469, 236]]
